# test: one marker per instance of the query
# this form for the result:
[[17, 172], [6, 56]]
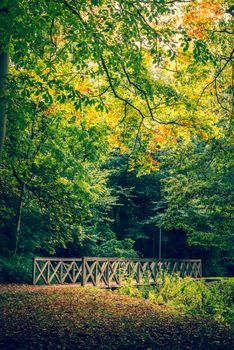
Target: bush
[[128, 287], [213, 299], [210, 300], [16, 269]]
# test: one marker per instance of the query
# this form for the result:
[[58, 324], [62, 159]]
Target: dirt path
[[75, 318]]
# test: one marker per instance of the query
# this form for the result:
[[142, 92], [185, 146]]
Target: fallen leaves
[[70, 317]]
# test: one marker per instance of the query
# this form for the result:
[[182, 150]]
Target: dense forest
[[116, 123]]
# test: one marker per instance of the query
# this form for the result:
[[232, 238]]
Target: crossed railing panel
[[57, 270], [109, 272]]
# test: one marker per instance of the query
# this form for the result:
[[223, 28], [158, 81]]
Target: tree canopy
[[116, 119]]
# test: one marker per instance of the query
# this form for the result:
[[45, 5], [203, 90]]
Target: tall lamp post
[[160, 244]]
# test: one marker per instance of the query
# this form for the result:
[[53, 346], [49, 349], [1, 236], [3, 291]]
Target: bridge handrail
[[106, 271], [91, 258]]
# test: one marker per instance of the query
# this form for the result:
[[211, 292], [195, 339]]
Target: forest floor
[[68, 317]]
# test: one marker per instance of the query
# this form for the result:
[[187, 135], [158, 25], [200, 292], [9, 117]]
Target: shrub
[[213, 300], [128, 287], [197, 297], [16, 269], [167, 287]]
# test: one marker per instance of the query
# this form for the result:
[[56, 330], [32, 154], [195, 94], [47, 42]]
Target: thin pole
[[160, 244], [154, 244]]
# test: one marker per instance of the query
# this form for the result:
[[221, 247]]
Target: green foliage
[[213, 300], [198, 195], [136, 200], [118, 248], [86, 78], [52, 173], [128, 287], [16, 269], [100, 240], [197, 297]]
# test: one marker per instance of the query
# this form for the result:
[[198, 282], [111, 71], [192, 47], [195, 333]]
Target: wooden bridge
[[109, 272]]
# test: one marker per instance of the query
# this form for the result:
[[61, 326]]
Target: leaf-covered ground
[[69, 317]]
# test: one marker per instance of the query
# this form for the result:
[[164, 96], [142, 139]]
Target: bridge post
[[34, 271], [138, 273], [200, 268], [108, 273], [48, 272], [61, 272], [83, 275]]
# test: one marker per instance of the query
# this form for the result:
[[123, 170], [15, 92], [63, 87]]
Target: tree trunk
[[3, 97], [19, 216]]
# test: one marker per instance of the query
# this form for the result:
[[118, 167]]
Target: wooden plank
[[114, 272], [61, 272], [90, 271], [48, 271], [101, 273], [83, 279], [56, 259], [79, 272], [54, 273], [113, 259], [41, 272], [34, 271], [108, 273], [67, 270]]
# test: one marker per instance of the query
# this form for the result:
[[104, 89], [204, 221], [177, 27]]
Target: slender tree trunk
[[3, 97], [19, 216], [154, 244]]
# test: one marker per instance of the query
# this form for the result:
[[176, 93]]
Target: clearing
[[71, 317]]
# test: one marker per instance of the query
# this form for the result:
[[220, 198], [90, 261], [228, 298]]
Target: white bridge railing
[[109, 272]]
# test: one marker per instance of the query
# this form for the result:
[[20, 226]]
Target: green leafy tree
[[51, 177], [198, 195], [110, 42]]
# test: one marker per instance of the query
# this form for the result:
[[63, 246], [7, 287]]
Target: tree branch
[[51, 32], [216, 77]]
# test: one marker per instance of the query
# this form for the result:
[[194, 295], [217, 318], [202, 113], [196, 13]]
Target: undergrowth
[[213, 300], [16, 269]]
